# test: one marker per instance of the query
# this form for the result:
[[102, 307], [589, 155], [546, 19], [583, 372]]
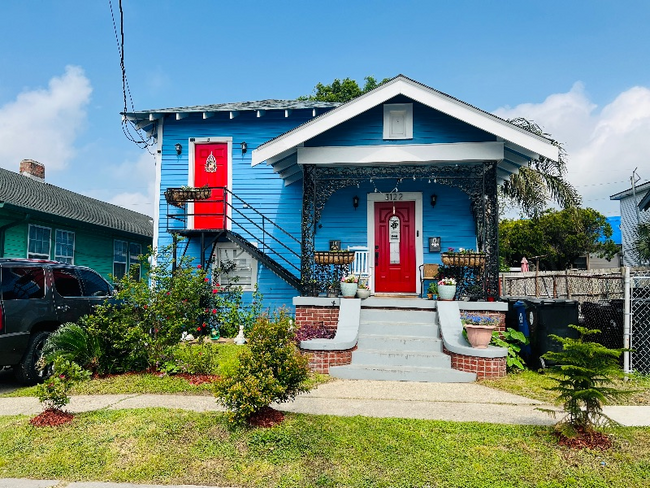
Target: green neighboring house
[[42, 221]]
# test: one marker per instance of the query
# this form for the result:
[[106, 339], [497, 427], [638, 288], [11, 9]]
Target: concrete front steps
[[400, 345]]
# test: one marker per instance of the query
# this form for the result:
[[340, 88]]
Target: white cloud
[[603, 146], [142, 170], [42, 124]]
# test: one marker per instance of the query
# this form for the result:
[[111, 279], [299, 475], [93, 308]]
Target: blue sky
[[578, 68]]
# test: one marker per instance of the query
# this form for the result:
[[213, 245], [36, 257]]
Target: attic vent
[[398, 121], [32, 169]]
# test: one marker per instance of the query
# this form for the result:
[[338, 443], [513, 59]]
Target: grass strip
[[172, 446]]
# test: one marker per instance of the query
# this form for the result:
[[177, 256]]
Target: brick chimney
[[32, 169]]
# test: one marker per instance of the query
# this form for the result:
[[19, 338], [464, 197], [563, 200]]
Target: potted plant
[[333, 257], [478, 329], [179, 196], [446, 289], [463, 257], [432, 291], [349, 285], [363, 291]]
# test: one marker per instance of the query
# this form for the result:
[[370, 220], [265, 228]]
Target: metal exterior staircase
[[257, 234], [400, 345]]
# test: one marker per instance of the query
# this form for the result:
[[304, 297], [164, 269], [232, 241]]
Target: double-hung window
[[64, 246], [126, 256], [39, 242], [120, 258]]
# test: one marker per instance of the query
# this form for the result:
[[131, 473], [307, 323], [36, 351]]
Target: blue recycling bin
[[519, 308]]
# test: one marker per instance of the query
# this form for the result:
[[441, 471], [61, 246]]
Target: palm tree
[[641, 245], [541, 182]]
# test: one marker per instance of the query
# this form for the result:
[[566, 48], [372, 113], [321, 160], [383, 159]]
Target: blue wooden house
[[402, 173]]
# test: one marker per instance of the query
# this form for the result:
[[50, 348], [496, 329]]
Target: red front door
[[211, 169], [395, 247]]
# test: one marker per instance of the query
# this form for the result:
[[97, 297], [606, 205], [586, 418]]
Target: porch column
[[308, 230], [487, 215]]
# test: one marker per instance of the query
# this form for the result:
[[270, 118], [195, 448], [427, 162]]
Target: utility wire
[[139, 139]]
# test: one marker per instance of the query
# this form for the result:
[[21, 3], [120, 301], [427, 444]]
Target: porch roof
[[514, 146]]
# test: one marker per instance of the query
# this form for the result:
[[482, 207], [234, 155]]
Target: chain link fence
[[602, 306], [640, 309]]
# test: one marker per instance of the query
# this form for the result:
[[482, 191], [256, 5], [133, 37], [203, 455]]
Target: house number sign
[[393, 197], [394, 238], [211, 164]]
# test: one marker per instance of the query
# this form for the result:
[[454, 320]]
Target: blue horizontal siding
[[259, 187], [429, 127]]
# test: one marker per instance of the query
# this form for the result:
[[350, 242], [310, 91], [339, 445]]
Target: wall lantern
[[355, 202], [434, 199], [244, 147], [179, 149]]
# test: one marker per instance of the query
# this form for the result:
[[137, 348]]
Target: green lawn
[[534, 385], [172, 446]]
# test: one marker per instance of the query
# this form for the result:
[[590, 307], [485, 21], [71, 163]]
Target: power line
[[140, 140]]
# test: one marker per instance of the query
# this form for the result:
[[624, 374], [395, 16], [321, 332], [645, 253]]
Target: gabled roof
[[520, 146], [31, 194]]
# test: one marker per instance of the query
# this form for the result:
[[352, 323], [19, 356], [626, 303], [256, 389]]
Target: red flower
[[198, 266], [145, 307], [215, 291], [214, 310], [199, 329], [206, 279]]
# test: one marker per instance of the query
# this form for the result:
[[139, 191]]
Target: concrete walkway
[[432, 401]]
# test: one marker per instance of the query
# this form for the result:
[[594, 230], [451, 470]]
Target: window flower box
[[333, 257]]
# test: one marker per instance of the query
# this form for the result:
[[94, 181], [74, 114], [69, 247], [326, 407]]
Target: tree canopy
[[343, 90], [559, 237]]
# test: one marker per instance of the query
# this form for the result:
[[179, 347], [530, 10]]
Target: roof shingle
[[31, 194]]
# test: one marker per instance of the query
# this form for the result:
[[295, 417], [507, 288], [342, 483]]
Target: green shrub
[[150, 317], [583, 372], [53, 393], [74, 343], [513, 340], [270, 370]]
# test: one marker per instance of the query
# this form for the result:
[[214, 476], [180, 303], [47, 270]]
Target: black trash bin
[[546, 317]]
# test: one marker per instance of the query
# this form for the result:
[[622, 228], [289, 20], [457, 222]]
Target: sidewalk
[[460, 402]]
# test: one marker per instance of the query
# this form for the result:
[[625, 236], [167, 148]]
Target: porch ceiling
[[288, 166]]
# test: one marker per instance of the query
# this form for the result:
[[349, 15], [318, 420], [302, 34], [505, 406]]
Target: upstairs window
[[39, 241], [398, 121]]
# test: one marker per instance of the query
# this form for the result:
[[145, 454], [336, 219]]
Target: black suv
[[36, 297]]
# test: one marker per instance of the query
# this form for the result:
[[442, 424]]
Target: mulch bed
[[585, 440], [266, 417], [198, 379], [51, 418]]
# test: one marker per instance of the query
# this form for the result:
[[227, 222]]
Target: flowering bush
[[474, 319], [351, 278], [447, 282], [53, 393]]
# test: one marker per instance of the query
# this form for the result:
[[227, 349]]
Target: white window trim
[[40, 256], [405, 110], [126, 263], [190, 174], [419, 253], [253, 261], [74, 245]]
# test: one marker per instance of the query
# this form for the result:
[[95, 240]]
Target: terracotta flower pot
[[479, 336]]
